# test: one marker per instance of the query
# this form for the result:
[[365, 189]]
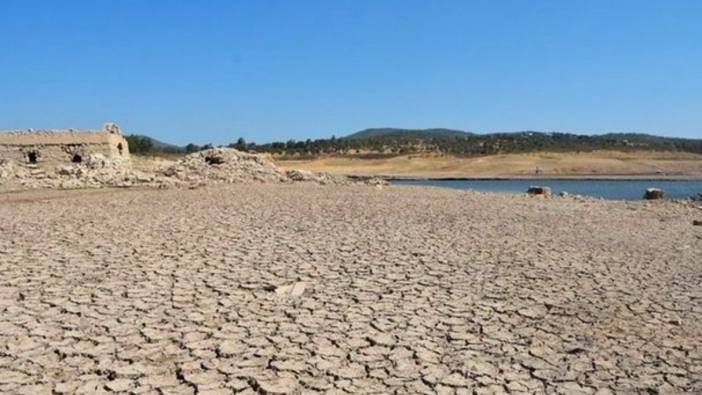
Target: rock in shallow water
[[654, 194], [537, 190]]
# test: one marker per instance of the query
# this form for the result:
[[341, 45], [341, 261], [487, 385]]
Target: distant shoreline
[[599, 165], [546, 178], [629, 189]]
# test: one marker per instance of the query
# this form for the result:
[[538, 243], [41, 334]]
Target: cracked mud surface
[[307, 289]]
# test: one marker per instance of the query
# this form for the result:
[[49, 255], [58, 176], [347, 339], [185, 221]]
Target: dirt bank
[[599, 164]]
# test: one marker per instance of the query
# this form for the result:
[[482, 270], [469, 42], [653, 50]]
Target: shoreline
[[554, 178], [610, 165], [619, 189]]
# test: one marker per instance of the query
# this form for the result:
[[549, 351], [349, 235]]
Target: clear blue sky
[[212, 71]]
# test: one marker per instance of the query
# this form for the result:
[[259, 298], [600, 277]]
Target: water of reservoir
[[607, 189]]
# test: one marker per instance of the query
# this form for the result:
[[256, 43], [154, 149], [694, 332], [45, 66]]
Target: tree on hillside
[[190, 148], [140, 144], [240, 144]]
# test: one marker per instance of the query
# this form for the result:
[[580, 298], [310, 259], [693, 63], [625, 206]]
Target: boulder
[[537, 190], [653, 194]]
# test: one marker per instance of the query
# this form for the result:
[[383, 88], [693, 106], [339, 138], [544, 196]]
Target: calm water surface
[[607, 189]]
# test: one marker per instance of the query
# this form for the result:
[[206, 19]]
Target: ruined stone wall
[[57, 147]]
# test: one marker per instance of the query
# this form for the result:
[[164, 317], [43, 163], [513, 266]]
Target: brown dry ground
[[394, 290], [586, 164]]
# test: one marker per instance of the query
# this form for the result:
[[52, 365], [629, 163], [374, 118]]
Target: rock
[[537, 190], [300, 175], [96, 161], [111, 127], [564, 194], [653, 194]]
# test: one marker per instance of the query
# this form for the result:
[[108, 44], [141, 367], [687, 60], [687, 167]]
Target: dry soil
[[346, 289]]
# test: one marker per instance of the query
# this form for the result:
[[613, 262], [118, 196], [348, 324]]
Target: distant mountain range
[[433, 133], [397, 141], [416, 133]]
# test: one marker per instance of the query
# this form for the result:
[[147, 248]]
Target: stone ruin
[[51, 148], [63, 158], [95, 159]]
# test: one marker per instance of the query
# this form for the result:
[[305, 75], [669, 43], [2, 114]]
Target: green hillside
[[391, 141], [140, 144], [395, 141]]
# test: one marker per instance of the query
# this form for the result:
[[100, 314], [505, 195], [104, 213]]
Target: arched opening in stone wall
[[32, 157], [77, 158], [120, 148]]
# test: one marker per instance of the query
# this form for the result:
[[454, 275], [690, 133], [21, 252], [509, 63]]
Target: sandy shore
[[306, 289], [576, 165]]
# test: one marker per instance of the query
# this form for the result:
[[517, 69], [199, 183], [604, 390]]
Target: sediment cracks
[[306, 288]]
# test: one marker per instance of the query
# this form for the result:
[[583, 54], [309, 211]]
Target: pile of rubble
[[230, 166], [213, 166], [223, 165]]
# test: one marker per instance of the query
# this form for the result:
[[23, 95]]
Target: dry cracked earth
[[280, 289]]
